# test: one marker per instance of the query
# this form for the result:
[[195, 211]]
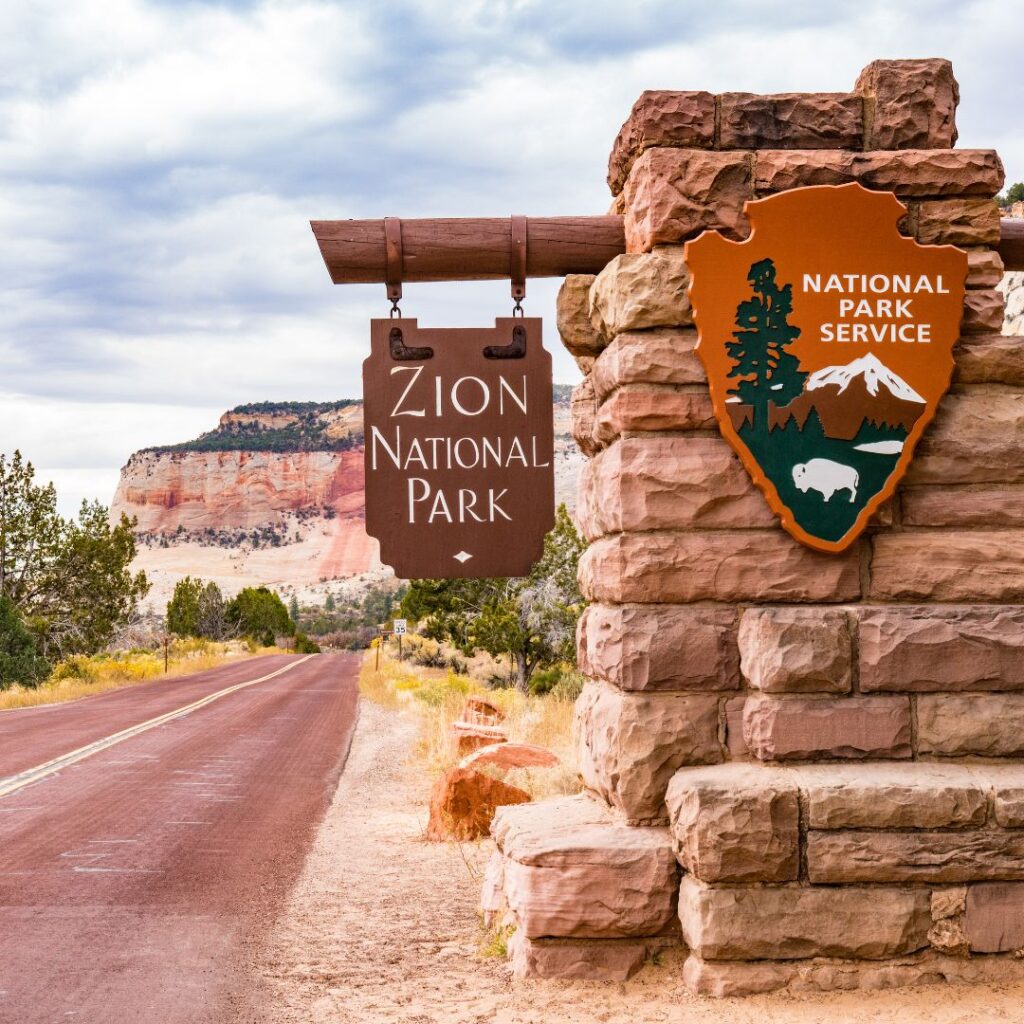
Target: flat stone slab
[[571, 871], [885, 795], [792, 922]]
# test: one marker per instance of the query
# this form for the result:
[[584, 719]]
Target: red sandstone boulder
[[469, 736], [482, 711], [507, 756], [463, 802]]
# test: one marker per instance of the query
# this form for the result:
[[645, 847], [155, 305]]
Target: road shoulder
[[383, 927]]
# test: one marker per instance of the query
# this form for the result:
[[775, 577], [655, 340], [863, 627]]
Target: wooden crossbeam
[[480, 248]]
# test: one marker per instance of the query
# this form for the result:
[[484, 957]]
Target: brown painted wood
[[459, 448], [1011, 243], [478, 248], [469, 248]]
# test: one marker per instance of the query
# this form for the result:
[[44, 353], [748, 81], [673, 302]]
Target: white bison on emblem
[[827, 477]]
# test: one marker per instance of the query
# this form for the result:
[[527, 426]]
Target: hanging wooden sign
[[459, 447], [827, 338]]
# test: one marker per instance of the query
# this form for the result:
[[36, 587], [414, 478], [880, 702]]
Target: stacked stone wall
[[826, 745]]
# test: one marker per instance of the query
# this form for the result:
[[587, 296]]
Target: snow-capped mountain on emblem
[[824, 274], [874, 372]]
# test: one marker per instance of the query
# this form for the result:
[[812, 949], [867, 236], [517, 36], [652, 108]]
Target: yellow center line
[[30, 775]]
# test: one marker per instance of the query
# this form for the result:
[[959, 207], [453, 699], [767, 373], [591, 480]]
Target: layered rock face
[[273, 495], [236, 490], [827, 745]]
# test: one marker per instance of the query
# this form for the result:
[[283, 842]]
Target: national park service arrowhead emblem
[[827, 338]]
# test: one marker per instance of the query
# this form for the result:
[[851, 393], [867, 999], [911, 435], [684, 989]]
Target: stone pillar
[[806, 769]]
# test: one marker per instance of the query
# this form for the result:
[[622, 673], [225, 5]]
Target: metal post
[[167, 641], [376, 656]]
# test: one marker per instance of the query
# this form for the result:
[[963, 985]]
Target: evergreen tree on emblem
[[765, 370]]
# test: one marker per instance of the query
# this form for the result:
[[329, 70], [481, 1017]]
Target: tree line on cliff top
[[65, 584]]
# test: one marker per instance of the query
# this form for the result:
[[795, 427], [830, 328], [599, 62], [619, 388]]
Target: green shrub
[[19, 660], [545, 681], [569, 687], [76, 667], [303, 645]]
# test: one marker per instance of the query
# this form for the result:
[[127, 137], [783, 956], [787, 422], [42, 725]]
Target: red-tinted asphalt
[[135, 883]]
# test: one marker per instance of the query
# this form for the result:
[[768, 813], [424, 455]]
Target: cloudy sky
[[160, 162]]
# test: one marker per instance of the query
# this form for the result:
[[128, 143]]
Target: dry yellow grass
[[85, 676], [436, 697]]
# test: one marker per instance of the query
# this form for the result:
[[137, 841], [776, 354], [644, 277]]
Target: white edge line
[[15, 782]]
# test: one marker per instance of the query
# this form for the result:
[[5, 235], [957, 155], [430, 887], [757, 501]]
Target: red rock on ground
[[510, 755], [463, 802], [482, 711], [469, 736]]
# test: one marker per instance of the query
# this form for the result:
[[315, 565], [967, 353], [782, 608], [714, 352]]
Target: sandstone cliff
[[273, 495]]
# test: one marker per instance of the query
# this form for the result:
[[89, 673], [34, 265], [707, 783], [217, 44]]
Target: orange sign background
[[827, 230]]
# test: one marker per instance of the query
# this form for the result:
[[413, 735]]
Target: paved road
[[136, 881]]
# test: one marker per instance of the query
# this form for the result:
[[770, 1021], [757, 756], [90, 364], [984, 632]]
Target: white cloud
[[159, 163]]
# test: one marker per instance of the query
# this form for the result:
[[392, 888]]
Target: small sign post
[[400, 628]]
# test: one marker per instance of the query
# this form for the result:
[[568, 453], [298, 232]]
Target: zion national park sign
[[827, 338]]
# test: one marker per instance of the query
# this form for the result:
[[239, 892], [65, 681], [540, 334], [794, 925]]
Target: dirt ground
[[383, 929]]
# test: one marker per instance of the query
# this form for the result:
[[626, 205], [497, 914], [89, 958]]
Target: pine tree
[[765, 370]]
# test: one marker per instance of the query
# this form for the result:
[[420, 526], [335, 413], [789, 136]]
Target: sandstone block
[[891, 796], [800, 120], [977, 437], [909, 104], [958, 726], [984, 268], [583, 414], [926, 648], [508, 756], [994, 921], [659, 483], [983, 311], [734, 741], [790, 923], [572, 315], [971, 505], [528, 828], [575, 959], [942, 565], [492, 890], [794, 728], [661, 118], [660, 356], [947, 903], [662, 647], [927, 172], [675, 194], [725, 978], [735, 823], [640, 290], [920, 856], [989, 358], [647, 407], [567, 877], [469, 736], [684, 566], [1006, 782], [463, 802], [957, 222], [796, 650], [630, 744]]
